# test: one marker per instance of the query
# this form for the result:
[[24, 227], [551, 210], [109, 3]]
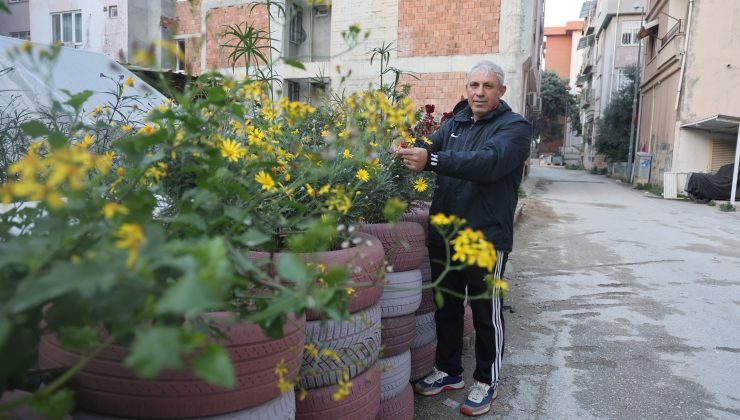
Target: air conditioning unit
[[321, 11]]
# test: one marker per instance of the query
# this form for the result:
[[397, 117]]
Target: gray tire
[[395, 375], [401, 293], [356, 342], [426, 330]]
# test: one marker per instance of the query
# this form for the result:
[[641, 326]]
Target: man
[[479, 158]]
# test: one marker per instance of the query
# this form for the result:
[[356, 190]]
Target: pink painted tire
[[427, 302], [397, 333], [106, 385], [419, 215], [404, 243], [400, 407], [422, 360], [362, 403]]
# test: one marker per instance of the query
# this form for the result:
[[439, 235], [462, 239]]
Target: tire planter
[[362, 403], [397, 334], [426, 268], [400, 407], [364, 263], [404, 243], [402, 293], [106, 385], [396, 373], [422, 360], [419, 215], [426, 330], [356, 342], [427, 302]]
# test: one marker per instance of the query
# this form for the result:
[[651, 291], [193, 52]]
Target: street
[[623, 305]]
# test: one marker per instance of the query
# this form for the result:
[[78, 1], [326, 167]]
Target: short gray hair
[[489, 67]]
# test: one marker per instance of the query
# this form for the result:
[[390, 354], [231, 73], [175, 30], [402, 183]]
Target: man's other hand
[[414, 158]]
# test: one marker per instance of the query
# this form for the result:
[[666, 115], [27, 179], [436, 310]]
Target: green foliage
[[612, 134], [557, 102], [727, 207], [573, 167]]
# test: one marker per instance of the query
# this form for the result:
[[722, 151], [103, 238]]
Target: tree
[[556, 100], [613, 128]]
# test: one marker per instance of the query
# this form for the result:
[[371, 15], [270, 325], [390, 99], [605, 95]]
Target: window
[[112, 12], [21, 35], [297, 34], [67, 28], [629, 32], [180, 64]]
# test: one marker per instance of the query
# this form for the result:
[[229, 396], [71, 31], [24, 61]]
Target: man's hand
[[414, 158]]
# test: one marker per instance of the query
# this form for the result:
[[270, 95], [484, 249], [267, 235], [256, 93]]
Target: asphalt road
[[623, 306]]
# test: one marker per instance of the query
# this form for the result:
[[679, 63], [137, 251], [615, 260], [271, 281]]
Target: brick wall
[[187, 16], [448, 27], [216, 54], [443, 90]]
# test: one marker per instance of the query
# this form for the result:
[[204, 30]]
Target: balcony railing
[[677, 28]]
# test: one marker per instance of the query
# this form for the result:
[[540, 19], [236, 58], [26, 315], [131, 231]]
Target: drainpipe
[[614, 50], [683, 56]]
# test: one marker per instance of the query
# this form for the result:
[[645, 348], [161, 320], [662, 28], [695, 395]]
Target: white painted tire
[[426, 330], [395, 375], [401, 293]]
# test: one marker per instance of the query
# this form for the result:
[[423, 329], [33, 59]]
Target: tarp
[[704, 187], [30, 83]]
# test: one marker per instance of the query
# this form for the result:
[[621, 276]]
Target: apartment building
[[117, 28], [562, 57], [609, 47], [438, 41], [17, 24], [691, 76]]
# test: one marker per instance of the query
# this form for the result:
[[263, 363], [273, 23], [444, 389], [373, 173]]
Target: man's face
[[484, 92]]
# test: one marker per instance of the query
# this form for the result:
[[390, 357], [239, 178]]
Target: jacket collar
[[463, 113]]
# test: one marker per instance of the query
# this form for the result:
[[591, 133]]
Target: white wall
[[17, 21]]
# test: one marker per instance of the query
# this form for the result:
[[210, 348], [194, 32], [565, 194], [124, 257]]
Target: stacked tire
[[405, 247], [424, 346], [338, 353]]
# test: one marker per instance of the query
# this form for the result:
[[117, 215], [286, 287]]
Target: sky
[[557, 12]]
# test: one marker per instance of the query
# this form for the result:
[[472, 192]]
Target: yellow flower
[[280, 369], [310, 191], [129, 81], [342, 387], [232, 150], [156, 172], [284, 386], [472, 248], [126, 128], [324, 133], [363, 175], [331, 353], [350, 291], [347, 154], [130, 236], [344, 134], [311, 350], [440, 219], [265, 180], [147, 129], [426, 140], [269, 113], [112, 209], [420, 185], [501, 286], [325, 189]]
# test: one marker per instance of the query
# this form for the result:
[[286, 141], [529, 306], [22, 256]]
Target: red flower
[[446, 116], [429, 109]]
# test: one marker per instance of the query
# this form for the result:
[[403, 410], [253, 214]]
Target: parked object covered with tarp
[[704, 187]]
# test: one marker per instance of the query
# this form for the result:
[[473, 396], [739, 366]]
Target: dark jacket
[[479, 168]]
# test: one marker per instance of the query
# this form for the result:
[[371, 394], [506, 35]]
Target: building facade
[[562, 57], [117, 28], [688, 119], [436, 41], [17, 24], [609, 48]]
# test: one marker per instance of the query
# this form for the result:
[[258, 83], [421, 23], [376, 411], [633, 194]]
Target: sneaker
[[479, 400], [438, 381]]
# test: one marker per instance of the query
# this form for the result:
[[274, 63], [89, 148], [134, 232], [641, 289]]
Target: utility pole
[[633, 125]]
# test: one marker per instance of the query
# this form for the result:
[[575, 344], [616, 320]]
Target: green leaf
[[189, 297], [4, 8], [294, 63], [438, 298], [55, 406], [214, 366], [76, 100], [35, 128], [252, 238], [80, 338], [4, 330], [155, 349], [216, 94], [57, 140], [292, 268]]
